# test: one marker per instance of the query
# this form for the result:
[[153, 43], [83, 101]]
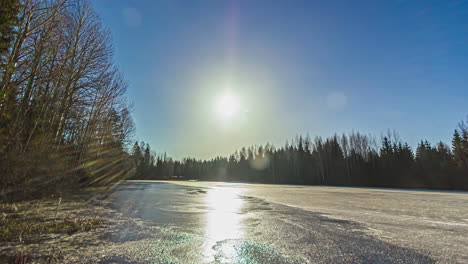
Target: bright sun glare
[[227, 106]]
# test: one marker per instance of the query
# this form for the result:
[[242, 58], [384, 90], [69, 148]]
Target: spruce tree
[[457, 149]]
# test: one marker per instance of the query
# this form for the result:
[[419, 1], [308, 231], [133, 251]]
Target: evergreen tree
[[458, 151], [137, 155]]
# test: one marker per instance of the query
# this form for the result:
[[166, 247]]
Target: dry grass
[[15, 228], [54, 256], [66, 228], [26, 222]]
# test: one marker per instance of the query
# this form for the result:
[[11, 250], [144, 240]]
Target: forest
[[353, 159], [64, 118]]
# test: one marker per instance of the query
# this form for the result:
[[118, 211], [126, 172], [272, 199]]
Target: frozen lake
[[259, 223]]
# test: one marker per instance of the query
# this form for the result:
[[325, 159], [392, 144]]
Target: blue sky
[[316, 67]]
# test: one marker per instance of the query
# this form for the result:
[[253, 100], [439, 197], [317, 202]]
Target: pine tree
[[457, 148], [464, 143], [387, 149], [136, 153], [147, 156]]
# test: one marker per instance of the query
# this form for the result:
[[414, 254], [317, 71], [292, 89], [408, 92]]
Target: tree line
[[64, 119], [353, 159]]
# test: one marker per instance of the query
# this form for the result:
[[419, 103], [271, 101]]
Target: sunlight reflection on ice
[[222, 220]]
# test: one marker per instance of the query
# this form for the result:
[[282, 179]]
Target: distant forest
[[344, 160]]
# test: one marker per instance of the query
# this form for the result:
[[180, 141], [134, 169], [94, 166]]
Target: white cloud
[[131, 17], [337, 100]]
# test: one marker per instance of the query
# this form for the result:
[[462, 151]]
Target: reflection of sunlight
[[223, 219]]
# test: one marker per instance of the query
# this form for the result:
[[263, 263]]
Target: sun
[[227, 106]]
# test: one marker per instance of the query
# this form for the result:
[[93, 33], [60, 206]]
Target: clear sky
[[316, 67]]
